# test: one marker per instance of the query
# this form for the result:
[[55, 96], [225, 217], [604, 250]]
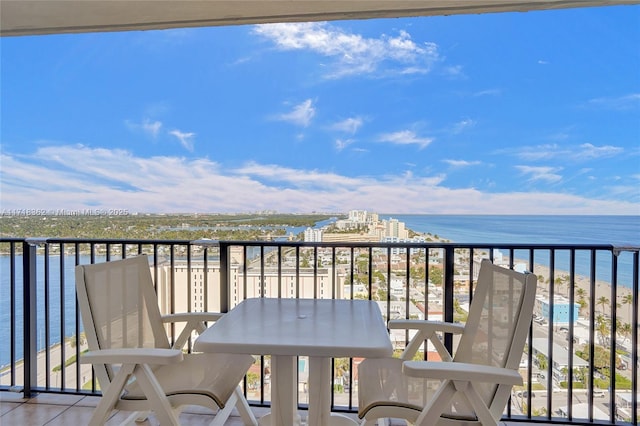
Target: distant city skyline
[[507, 113]]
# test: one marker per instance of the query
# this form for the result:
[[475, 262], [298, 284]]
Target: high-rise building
[[358, 216], [197, 290], [312, 235], [395, 228]]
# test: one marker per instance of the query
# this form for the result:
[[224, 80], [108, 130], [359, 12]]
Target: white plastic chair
[[136, 367], [471, 387]]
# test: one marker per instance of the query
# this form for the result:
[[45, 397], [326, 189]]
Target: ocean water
[[62, 302], [617, 230], [498, 229]]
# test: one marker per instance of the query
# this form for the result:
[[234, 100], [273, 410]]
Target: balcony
[[575, 320]]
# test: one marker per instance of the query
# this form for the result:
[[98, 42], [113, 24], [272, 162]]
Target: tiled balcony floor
[[66, 410]]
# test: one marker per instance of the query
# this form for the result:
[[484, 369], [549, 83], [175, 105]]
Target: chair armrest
[[191, 316], [427, 330], [194, 321], [427, 326], [461, 371], [153, 356]]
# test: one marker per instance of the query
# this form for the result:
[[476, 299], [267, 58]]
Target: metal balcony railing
[[580, 364]]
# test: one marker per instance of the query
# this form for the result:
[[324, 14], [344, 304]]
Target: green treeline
[[157, 226]]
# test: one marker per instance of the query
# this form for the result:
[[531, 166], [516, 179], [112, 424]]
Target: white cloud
[[296, 177], [488, 92], [343, 143], [624, 102], [454, 71], [461, 163], [185, 138], [538, 152], [301, 115], [548, 174], [349, 125], [583, 152], [589, 151], [77, 177], [462, 125], [560, 136], [353, 54], [405, 137], [152, 128]]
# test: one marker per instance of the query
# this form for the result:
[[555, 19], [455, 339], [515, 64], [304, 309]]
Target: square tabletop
[[302, 327]]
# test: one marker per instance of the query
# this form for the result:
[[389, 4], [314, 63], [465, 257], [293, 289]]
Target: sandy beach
[[602, 289]]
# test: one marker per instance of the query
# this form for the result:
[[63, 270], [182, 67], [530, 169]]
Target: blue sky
[[514, 113]]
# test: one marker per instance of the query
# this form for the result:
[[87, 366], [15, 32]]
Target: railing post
[[224, 277], [448, 292], [29, 312]]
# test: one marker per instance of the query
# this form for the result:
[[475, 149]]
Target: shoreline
[[602, 289]]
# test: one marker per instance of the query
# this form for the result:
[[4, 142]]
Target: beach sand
[[624, 310]]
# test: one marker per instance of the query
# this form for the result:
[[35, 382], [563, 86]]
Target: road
[[70, 372]]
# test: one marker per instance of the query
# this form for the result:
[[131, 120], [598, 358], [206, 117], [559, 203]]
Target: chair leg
[[482, 411], [223, 414], [111, 395], [243, 408], [156, 396], [438, 404], [238, 401]]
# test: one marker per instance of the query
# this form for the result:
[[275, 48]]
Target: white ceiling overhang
[[31, 17]]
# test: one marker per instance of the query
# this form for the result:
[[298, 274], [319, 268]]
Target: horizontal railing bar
[[364, 244]]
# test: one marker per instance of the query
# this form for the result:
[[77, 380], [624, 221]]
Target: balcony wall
[[577, 328]]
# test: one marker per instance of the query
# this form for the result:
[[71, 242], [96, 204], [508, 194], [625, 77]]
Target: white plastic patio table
[[286, 328]]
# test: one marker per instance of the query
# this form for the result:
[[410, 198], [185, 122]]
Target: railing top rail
[[430, 244], [616, 248], [42, 240]]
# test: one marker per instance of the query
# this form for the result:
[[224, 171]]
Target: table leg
[[320, 390], [284, 391]]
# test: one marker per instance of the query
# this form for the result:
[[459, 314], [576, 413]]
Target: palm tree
[[582, 301], [542, 361], [627, 299], [557, 284], [562, 281], [580, 375], [624, 330], [603, 301], [602, 327]]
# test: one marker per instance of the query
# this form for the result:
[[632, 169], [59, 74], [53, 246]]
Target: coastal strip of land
[[603, 290]]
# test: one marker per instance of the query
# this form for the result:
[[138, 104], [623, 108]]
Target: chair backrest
[[497, 326], [119, 308]]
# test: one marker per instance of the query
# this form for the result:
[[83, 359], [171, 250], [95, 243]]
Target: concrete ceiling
[[31, 17]]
